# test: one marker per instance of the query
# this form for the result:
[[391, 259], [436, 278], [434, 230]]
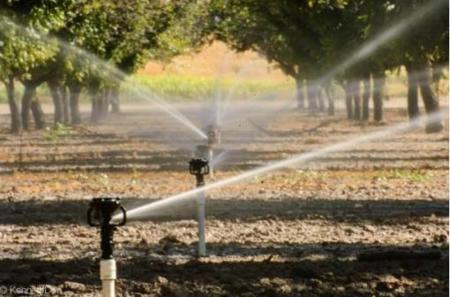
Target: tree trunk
[[320, 99], [58, 115], [28, 94], [430, 101], [379, 79], [355, 89], [115, 100], [96, 104], [312, 100], [65, 103], [300, 94], [38, 114], [328, 91], [413, 102], [94, 108], [106, 98], [436, 76], [330, 96], [348, 100], [16, 124], [366, 97], [75, 90]]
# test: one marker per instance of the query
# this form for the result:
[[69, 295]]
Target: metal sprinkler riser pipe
[[213, 133], [199, 167]]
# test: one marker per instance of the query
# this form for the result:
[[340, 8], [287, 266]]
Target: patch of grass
[[185, 87], [59, 131], [311, 174], [410, 175], [101, 179]]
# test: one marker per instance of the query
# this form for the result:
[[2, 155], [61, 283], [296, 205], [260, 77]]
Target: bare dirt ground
[[369, 221]]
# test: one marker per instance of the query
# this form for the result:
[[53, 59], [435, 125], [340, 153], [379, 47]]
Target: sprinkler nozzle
[[99, 214], [199, 167]]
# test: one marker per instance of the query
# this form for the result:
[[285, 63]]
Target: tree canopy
[[60, 41]]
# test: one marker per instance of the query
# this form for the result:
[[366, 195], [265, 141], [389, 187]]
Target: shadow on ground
[[299, 276], [384, 211]]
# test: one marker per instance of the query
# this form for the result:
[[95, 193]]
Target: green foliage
[[21, 52], [408, 175], [58, 131], [303, 37], [307, 37], [109, 34], [187, 87]]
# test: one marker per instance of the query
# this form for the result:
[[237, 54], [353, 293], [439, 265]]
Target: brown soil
[[303, 231]]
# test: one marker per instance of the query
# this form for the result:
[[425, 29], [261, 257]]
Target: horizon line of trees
[[91, 45]]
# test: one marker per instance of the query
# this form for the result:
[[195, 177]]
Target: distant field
[[216, 69], [185, 87]]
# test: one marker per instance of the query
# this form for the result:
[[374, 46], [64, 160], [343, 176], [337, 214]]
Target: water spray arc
[[99, 214], [371, 46], [199, 168], [367, 49], [374, 44], [111, 71], [363, 52], [154, 208]]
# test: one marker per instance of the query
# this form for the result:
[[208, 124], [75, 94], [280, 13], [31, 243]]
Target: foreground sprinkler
[[99, 214], [199, 168]]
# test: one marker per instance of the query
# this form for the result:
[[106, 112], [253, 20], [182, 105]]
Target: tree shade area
[[224, 148]]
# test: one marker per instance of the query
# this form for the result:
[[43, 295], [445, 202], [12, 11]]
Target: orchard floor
[[368, 221]]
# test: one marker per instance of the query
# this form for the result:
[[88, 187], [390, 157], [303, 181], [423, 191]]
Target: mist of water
[[166, 107], [243, 72], [219, 86], [155, 208]]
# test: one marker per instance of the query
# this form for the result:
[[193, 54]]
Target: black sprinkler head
[[199, 167], [100, 213]]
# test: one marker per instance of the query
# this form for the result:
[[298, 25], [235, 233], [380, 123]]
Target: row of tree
[[72, 45], [308, 38]]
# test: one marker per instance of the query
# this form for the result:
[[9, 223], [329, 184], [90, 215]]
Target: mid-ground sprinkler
[[199, 168], [155, 207], [213, 133], [100, 214]]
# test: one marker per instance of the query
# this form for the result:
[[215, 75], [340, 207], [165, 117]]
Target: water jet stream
[[154, 208], [370, 47], [261, 119], [218, 94]]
